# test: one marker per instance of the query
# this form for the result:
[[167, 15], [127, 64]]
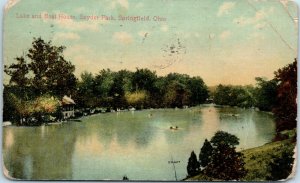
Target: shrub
[[193, 167], [205, 153]]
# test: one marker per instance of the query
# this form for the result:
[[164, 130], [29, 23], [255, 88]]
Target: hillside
[[257, 159]]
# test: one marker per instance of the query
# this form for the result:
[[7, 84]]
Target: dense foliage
[[285, 109], [205, 153], [139, 89], [263, 96], [278, 95], [234, 95], [226, 163], [224, 138], [44, 72], [281, 167], [37, 80], [266, 92], [221, 161], [193, 167]]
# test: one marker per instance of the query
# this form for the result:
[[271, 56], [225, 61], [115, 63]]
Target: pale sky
[[228, 42]]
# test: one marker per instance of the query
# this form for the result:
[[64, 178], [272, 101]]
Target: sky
[[222, 41]]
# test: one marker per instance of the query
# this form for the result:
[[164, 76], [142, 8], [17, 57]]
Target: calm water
[[136, 144]]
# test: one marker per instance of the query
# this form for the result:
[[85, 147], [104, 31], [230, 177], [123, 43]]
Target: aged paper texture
[[165, 90]]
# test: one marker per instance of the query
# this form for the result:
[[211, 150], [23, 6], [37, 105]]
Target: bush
[[220, 159], [205, 154], [137, 99], [282, 166], [193, 167], [224, 138], [226, 164]]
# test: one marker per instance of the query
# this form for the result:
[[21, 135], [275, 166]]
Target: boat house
[[68, 107]]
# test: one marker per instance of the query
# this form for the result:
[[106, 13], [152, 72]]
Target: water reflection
[[140, 145], [33, 157], [210, 121]]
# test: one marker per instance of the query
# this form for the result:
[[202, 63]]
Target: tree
[[205, 154], [103, 83], [125, 178], [34, 112], [199, 91], [177, 94], [193, 167], [247, 96], [10, 105], [159, 90], [285, 109], [18, 72], [121, 85], [102, 86], [241, 96], [266, 93], [38, 74], [10, 99], [224, 138], [226, 163], [85, 95], [281, 167], [44, 69], [143, 79], [222, 95], [137, 99]]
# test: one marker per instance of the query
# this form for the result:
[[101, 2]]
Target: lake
[[138, 144]]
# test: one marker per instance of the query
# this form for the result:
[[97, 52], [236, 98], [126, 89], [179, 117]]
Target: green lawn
[[257, 159]]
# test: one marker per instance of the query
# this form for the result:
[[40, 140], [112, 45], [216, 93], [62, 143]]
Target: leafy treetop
[[224, 138]]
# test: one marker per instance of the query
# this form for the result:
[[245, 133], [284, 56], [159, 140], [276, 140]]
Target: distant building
[[68, 107]]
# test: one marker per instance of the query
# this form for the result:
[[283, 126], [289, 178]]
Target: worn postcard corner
[[130, 90]]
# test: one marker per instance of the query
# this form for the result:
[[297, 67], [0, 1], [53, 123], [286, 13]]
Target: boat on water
[[55, 123], [173, 128], [6, 123], [132, 109]]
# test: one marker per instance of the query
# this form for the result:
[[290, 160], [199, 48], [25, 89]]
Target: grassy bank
[[257, 159]]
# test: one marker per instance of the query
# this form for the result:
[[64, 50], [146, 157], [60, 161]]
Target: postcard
[[142, 90]]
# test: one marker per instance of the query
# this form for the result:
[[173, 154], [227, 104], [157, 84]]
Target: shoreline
[[106, 111]]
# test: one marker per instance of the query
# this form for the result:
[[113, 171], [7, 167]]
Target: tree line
[[43, 74], [262, 95], [139, 89], [278, 95]]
